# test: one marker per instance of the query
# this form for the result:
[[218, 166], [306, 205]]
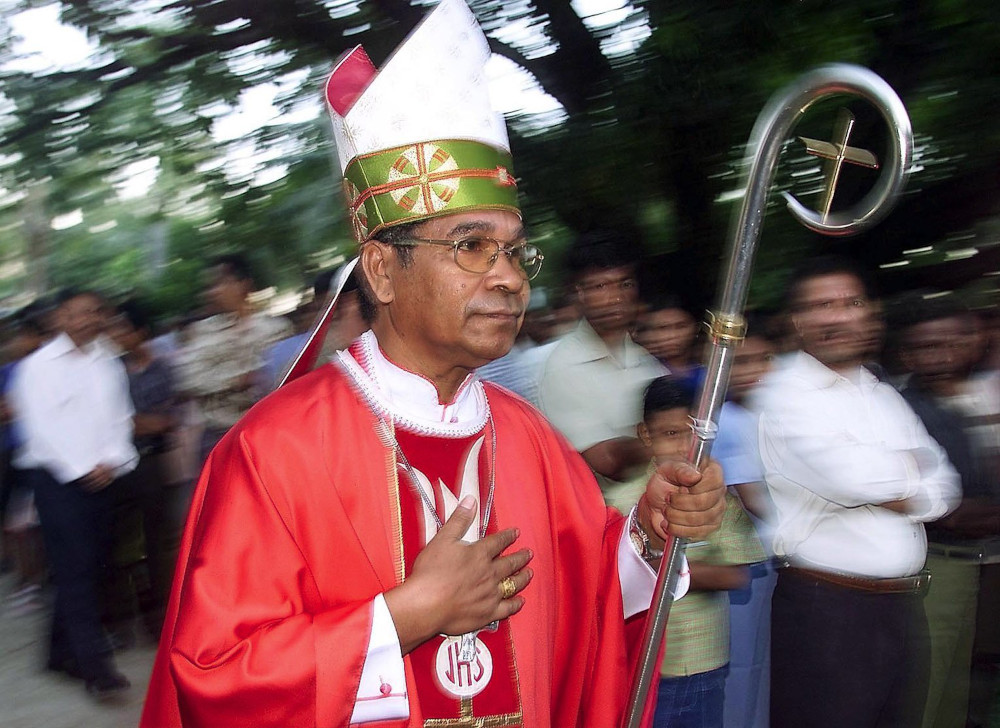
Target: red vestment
[[295, 527]]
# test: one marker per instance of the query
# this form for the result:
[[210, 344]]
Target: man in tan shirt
[[592, 385], [221, 364]]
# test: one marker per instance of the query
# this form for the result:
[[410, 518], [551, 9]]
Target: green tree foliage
[[651, 136]]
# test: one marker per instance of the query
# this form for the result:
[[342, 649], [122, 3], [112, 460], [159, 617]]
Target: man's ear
[[795, 325], [378, 263], [643, 433]]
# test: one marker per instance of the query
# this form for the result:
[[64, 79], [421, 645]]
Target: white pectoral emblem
[[469, 485], [459, 677]]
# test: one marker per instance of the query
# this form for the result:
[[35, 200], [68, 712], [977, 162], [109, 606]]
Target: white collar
[[410, 400], [821, 376], [593, 348], [62, 345]]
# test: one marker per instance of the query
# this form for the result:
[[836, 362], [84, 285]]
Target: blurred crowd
[[857, 569], [106, 423]]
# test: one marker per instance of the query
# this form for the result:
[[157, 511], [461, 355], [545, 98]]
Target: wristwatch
[[640, 539]]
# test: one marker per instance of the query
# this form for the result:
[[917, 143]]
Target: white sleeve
[[382, 690], [827, 457], [638, 579], [38, 414], [937, 488]]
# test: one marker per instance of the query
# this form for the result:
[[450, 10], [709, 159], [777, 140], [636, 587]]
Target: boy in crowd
[[694, 667]]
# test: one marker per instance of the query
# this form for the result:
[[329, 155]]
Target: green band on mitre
[[420, 181]]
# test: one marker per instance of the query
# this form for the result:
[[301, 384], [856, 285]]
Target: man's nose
[[845, 313], [945, 353], [505, 274]]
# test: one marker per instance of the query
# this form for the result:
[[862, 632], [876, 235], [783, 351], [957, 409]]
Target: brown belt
[[916, 584]]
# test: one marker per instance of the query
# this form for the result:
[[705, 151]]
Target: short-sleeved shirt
[[153, 391], [592, 395], [222, 351], [698, 627], [735, 446]]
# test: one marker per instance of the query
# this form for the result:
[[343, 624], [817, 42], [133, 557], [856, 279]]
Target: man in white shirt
[[72, 400], [853, 476]]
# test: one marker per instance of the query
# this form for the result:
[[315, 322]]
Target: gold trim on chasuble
[[420, 181], [468, 720], [392, 471]]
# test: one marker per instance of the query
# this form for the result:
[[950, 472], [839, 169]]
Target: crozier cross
[[838, 152]]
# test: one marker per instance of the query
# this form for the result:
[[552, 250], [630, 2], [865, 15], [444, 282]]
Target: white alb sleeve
[[382, 690], [638, 579]]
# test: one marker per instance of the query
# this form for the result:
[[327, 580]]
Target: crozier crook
[[726, 324]]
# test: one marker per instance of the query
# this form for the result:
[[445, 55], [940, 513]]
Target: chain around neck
[[388, 432]]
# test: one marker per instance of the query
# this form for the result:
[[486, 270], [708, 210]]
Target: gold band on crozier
[[726, 329]]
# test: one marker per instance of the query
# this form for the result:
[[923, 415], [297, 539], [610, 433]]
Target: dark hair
[[762, 325], [136, 316], [324, 281], [31, 318], [65, 295], [236, 265], [393, 236], [662, 301], [600, 250], [825, 265], [922, 309], [665, 393], [396, 234]]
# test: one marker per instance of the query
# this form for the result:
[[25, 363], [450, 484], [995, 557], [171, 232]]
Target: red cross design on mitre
[[421, 179]]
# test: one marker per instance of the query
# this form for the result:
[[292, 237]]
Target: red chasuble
[[297, 524]]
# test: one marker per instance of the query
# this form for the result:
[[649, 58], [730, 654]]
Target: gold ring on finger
[[507, 587]]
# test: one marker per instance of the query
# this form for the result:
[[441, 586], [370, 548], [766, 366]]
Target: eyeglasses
[[478, 255]]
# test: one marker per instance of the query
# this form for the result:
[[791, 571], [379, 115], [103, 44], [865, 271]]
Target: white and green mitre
[[419, 137]]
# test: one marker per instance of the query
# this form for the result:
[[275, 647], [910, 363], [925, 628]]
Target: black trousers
[[139, 510], [76, 528], [844, 658]]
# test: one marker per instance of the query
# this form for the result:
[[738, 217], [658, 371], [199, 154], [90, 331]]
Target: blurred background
[[138, 139]]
